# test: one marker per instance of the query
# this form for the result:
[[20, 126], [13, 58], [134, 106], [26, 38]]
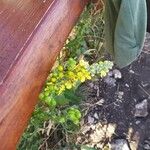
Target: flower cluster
[[66, 77], [71, 74], [101, 68]]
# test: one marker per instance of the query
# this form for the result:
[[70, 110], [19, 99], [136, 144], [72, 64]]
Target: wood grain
[[32, 34], [14, 15]]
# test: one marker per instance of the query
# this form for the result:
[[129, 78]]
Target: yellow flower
[[53, 79], [68, 85], [79, 74], [82, 79], [60, 68], [54, 74], [62, 88], [103, 73], [89, 77], [70, 73], [83, 63], [60, 75]]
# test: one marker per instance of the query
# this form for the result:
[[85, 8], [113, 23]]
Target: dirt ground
[[111, 108]]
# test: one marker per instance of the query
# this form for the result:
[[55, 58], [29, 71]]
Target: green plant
[[63, 81], [76, 43], [59, 101], [59, 98], [31, 139]]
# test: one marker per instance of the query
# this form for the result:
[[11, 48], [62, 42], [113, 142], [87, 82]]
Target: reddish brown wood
[[14, 15], [32, 34]]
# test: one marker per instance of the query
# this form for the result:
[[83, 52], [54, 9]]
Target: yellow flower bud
[[60, 75], [68, 85], [60, 68], [103, 73], [82, 79], [53, 80], [79, 74], [70, 73]]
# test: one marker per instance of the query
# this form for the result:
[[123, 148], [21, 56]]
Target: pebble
[[120, 144], [96, 116], [127, 85], [120, 94], [147, 142], [110, 81], [117, 74], [110, 73], [146, 147], [138, 122], [141, 109], [90, 120], [91, 85], [131, 71]]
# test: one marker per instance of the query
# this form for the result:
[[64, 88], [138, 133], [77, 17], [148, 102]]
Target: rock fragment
[[90, 120], [120, 144], [117, 74], [141, 109], [110, 81]]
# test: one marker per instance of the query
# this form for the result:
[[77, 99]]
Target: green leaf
[[71, 63], [61, 100], [72, 97], [62, 120], [50, 101]]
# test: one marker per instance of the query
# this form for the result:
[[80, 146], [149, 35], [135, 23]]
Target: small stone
[[110, 81], [120, 144], [138, 122], [141, 109], [144, 84], [90, 120], [101, 101], [147, 142], [96, 116], [120, 94], [127, 85], [98, 92], [131, 71], [96, 87], [91, 85], [146, 147], [110, 73], [117, 74]]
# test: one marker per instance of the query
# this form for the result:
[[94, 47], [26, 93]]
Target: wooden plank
[[32, 34], [18, 21]]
